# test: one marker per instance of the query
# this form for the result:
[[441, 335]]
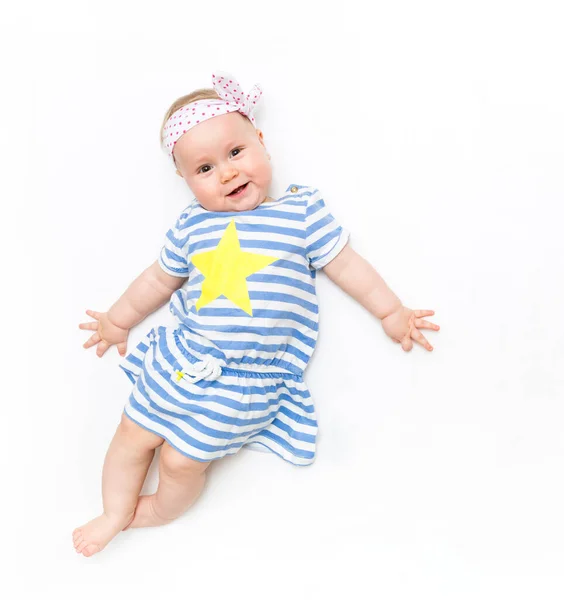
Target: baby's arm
[[148, 292], [359, 279], [356, 276]]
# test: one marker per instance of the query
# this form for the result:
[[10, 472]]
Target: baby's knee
[[175, 464], [137, 435]]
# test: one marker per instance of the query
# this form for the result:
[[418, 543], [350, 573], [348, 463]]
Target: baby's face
[[221, 154]]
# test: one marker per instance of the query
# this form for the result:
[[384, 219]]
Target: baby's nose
[[228, 174]]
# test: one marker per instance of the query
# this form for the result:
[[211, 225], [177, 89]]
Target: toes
[[84, 546], [91, 549]]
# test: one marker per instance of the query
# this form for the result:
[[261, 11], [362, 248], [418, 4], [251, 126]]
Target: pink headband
[[233, 99]]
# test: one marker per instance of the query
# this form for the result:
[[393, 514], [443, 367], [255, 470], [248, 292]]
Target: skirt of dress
[[206, 419]]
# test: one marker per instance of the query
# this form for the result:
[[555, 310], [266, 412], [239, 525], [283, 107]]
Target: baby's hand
[[106, 334], [402, 325]]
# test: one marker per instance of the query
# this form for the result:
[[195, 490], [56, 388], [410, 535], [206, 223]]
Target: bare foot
[[145, 515], [95, 535]]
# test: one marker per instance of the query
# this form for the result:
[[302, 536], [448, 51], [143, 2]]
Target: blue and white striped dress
[[231, 374]]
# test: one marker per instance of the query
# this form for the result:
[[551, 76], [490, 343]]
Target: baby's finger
[[419, 337], [93, 313], [424, 313], [122, 348], [421, 323], [91, 325], [407, 344], [102, 347], [92, 341]]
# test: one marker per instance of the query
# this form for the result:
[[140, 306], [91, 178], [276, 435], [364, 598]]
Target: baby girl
[[239, 268]]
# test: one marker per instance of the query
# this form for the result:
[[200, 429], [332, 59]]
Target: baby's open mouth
[[238, 190]]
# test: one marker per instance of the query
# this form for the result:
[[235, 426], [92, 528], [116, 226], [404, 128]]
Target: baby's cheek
[[265, 174]]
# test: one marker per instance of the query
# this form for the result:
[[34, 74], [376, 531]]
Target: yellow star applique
[[226, 270]]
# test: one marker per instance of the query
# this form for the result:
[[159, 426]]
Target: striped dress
[[230, 373]]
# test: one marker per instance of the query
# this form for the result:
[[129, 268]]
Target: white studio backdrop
[[435, 132]]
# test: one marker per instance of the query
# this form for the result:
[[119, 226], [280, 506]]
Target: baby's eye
[[201, 169]]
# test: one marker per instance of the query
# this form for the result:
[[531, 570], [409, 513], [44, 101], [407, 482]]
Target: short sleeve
[[173, 258], [325, 238]]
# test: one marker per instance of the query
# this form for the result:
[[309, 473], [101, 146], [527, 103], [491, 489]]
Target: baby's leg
[[125, 468], [181, 481]]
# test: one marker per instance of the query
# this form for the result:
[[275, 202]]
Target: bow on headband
[[232, 99]]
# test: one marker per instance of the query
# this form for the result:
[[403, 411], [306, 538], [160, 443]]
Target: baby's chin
[[242, 206]]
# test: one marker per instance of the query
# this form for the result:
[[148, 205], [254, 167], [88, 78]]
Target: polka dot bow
[[233, 99]]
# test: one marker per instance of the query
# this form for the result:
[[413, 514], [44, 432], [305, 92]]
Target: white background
[[434, 130]]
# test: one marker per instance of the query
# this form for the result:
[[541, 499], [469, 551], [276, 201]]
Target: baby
[[230, 373]]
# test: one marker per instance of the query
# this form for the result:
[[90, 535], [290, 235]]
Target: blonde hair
[[200, 94]]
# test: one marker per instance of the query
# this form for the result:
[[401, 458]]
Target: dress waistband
[[210, 368]]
